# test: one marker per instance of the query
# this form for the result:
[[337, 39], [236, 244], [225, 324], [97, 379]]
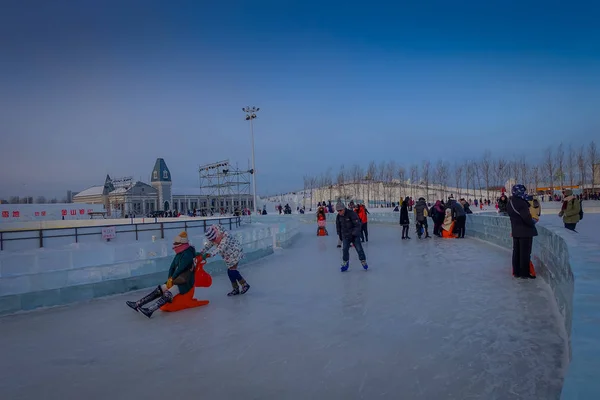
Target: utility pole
[[250, 115]]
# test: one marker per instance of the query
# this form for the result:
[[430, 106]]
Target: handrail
[[137, 228]]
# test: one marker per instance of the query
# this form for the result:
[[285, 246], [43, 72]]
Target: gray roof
[[161, 172], [93, 191]]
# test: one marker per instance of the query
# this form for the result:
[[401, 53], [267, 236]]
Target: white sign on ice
[[109, 232]]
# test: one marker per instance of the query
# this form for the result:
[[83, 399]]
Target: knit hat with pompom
[[182, 238]]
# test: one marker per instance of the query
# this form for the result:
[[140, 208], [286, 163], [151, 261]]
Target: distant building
[[124, 196]]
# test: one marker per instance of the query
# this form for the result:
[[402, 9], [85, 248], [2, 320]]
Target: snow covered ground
[[431, 319]]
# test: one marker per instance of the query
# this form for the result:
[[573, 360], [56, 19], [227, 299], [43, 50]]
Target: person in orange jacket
[[362, 215]]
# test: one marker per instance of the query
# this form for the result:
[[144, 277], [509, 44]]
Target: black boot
[[166, 298], [155, 294]]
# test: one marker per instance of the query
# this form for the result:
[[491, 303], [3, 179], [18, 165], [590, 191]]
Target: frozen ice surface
[[431, 319]]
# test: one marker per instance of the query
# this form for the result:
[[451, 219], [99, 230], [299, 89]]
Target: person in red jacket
[[362, 212]]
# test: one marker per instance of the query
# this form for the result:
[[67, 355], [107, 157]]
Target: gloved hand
[[169, 283]]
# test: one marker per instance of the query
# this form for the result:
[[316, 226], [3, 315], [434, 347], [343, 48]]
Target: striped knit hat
[[213, 232]]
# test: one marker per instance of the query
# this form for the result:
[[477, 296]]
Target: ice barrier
[[50, 277]]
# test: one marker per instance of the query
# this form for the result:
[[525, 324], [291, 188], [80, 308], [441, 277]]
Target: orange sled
[[447, 234], [201, 279]]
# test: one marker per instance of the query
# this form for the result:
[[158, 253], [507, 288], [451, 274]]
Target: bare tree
[[592, 161], [486, 170], [402, 179], [414, 177], [549, 168], [53, 201], [306, 179], [535, 174], [441, 172], [560, 165], [425, 173], [371, 172], [524, 174], [571, 165], [341, 182], [477, 170], [40, 200], [357, 175], [458, 174], [581, 164], [501, 169], [390, 172], [470, 176]]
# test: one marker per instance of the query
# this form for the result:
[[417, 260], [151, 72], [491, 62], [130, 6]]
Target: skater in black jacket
[[348, 227]]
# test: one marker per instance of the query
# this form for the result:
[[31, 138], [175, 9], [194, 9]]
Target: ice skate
[[235, 292], [345, 266], [364, 264]]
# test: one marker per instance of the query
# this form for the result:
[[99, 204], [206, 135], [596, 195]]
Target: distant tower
[[161, 181], [108, 187]]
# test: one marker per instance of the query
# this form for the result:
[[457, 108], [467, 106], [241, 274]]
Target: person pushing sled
[[230, 249]]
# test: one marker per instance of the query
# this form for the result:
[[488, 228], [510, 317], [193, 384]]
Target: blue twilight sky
[[95, 87]]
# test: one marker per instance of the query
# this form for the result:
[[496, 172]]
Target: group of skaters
[[449, 218]]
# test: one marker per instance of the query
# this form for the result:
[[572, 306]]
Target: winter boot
[[245, 288], [345, 266], [364, 264], [166, 298], [156, 293], [236, 289]]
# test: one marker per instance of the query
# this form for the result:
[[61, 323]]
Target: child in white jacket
[[230, 249]]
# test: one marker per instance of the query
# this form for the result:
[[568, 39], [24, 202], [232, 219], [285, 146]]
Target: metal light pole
[[250, 115]]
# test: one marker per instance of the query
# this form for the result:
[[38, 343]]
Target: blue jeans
[[357, 246]]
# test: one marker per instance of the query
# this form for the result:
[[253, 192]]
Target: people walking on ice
[[348, 228], [230, 249], [321, 222], [362, 212], [404, 221], [437, 215], [421, 214], [570, 210], [180, 279], [460, 218]]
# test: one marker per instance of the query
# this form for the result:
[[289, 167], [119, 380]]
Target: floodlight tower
[[250, 115]]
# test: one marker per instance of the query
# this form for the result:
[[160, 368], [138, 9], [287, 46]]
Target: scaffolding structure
[[226, 189]]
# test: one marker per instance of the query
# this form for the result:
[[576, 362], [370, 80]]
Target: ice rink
[[431, 319]]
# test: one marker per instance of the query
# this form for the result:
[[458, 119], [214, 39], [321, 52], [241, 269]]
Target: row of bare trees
[[560, 166]]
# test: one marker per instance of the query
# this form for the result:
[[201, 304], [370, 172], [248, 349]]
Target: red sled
[[201, 279]]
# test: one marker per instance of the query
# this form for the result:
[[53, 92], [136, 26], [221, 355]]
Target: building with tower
[[127, 197], [161, 181]]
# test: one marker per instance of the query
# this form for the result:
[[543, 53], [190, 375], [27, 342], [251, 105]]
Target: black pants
[[364, 232], [571, 227], [405, 231], [460, 226], [521, 256]]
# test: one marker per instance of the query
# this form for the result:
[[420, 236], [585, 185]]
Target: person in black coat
[[404, 221], [523, 231], [349, 230]]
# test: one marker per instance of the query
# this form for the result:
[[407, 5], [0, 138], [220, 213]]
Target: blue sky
[[90, 89]]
